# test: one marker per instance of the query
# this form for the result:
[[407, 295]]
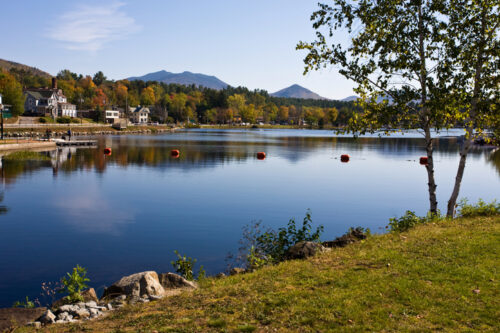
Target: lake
[[128, 212]]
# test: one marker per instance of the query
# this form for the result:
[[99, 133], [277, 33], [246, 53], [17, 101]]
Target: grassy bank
[[436, 276]]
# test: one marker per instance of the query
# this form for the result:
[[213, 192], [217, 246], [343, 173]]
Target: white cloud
[[90, 28]]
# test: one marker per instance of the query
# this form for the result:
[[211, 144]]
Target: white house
[[111, 115], [45, 101], [140, 115]]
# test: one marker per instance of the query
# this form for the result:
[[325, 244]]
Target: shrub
[[74, 283], [64, 120], [409, 220], [263, 246], [27, 304], [185, 267], [479, 209]]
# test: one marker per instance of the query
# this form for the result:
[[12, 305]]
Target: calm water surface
[[128, 212]]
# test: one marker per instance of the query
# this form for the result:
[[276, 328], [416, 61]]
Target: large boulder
[[137, 285], [88, 296], [303, 250], [11, 317], [174, 281]]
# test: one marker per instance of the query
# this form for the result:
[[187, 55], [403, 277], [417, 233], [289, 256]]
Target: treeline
[[179, 103]]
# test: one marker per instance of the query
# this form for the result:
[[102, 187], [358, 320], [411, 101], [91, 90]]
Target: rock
[[35, 324], [94, 312], [220, 275], [47, 318], [109, 306], [82, 313], [10, 317], [89, 295], [64, 316], [90, 304], [173, 281], [71, 308], [136, 285], [236, 270], [303, 250], [155, 298], [352, 236]]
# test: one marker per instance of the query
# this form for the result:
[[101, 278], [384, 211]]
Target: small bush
[[480, 209], [64, 120], [264, 246], [409, 220], [45, 120], [27, 304], [185, 267], [74, 283]]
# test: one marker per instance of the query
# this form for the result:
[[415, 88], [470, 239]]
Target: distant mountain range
[[296, 91], [350, 98], [185, 78], [8, 65]]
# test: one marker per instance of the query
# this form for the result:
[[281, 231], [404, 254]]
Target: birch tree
[[402, 56]]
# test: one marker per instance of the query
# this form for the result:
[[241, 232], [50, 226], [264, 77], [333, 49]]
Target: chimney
[[54, 83]]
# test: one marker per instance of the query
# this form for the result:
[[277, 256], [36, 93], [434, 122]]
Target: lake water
[[128, 212]]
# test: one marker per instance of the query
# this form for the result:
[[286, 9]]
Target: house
[[140, 115], [111, 115], [48, 101]]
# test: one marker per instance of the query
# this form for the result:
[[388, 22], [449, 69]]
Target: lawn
[[440, 276]]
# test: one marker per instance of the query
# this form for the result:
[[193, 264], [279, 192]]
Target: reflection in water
[[494, 158], [3, 209], [155, 151], [91, 212]]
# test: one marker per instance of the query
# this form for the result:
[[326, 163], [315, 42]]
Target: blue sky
[[248, 43]]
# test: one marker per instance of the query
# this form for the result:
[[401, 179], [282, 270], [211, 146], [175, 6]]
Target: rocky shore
[[140, 287], [24, 133]]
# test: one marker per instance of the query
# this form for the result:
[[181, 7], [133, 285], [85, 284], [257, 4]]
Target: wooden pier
[[76, 143]]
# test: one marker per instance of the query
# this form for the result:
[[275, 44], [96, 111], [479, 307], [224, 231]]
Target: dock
[[75, 143]]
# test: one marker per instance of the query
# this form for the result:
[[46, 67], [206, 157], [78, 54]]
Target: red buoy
[[175, 153], [107, 151], [344, 158], [424, 160], [261, 155]]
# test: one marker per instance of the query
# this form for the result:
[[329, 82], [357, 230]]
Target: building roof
[[141, 108], [39, 94]]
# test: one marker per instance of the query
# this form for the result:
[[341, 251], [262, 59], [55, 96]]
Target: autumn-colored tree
[[270, 112], [12, 93], [100, 99], [331, 115], [248, 114], [121, 92], [87, 83], [283, 114], [236, 103], [148, 96], [178, 105]]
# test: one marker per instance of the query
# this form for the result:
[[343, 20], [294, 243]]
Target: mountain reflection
[[206, 151]]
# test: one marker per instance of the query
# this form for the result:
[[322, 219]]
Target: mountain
[[185, 78], [379, 99], [8, 65], [296, 91], [350, 98]]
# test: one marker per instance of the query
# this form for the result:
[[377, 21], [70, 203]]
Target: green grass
[[439, 276], [25, 156]]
